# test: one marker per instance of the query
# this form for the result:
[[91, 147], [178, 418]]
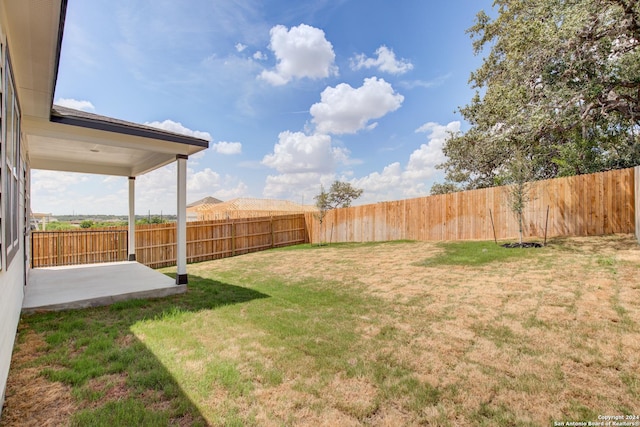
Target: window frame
[[11, 161]]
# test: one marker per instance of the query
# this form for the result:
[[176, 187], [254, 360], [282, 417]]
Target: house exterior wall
[[14, 209], [11, 295]]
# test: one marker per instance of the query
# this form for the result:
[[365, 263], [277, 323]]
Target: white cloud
[[259, 56], [240, 47], [52, 191], [228, 192], [423, 161], [55, 182], [297, 152], [156, 191], [299, 187], [65, 192], [224, 147], [76, 104], [203, 180], [304, 162], [395, 183], [383, 182], [209, 183], [344, 109], [426, 84], [197, 156], [386, 62], [176, 127], [438, 131], [300, 52]]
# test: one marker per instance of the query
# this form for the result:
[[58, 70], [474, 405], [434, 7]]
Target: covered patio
[[90, 143], [92, 285], [63, 139]]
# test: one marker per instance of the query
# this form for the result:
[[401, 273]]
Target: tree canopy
[[340, 195], [560, 85]]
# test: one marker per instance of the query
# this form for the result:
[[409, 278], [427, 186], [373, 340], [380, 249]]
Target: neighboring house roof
[[206, 201], [252, 204]]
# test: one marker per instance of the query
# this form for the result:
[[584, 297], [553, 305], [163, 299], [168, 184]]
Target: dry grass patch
[[531, 340], [34, 401]]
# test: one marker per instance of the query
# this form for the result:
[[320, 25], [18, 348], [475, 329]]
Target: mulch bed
[[522, 245]]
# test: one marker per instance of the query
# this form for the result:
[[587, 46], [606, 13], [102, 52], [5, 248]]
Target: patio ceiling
[[58, 138]]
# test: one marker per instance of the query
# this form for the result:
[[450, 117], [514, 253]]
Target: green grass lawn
[[399, 333]]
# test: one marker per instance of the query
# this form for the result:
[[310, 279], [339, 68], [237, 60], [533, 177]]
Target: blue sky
[[291, 95]]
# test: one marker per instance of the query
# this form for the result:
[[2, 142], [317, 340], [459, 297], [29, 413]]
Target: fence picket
[[155, 243], [582, 205]]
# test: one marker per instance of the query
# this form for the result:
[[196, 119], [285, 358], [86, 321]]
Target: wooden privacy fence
[[584, 205], [52, 248], [206, 240], [156, 243]]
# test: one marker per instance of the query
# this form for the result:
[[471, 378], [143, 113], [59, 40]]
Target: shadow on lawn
[[111, 377]]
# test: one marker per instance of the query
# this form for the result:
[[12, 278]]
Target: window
[[11, 164]]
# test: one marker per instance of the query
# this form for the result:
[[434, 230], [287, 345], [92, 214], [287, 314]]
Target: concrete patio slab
[[93, 285]]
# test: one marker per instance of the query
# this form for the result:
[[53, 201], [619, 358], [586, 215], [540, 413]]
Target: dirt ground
[[543, 339]]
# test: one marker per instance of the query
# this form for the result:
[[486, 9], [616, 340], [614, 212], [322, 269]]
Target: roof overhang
[[88, 143], [63, 139]]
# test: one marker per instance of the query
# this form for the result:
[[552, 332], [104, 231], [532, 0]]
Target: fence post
[[58, 252], [403, 233], [636, 179], [32, 251], [273, 243], [233, 237]]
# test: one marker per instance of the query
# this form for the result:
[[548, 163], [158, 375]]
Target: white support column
[[181, 226], [132, 218]]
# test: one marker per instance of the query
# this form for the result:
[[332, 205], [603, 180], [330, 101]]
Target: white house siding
[[11, 294], [12, 271]]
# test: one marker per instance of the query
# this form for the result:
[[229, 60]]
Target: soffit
[[34, 34]]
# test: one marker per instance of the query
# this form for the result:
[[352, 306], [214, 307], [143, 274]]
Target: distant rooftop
[[253, 204], [206, 201]]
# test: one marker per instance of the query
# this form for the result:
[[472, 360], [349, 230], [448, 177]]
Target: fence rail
[[585, 205], [156, 243]]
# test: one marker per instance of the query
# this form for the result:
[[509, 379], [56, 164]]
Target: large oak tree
[[560, 84]]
